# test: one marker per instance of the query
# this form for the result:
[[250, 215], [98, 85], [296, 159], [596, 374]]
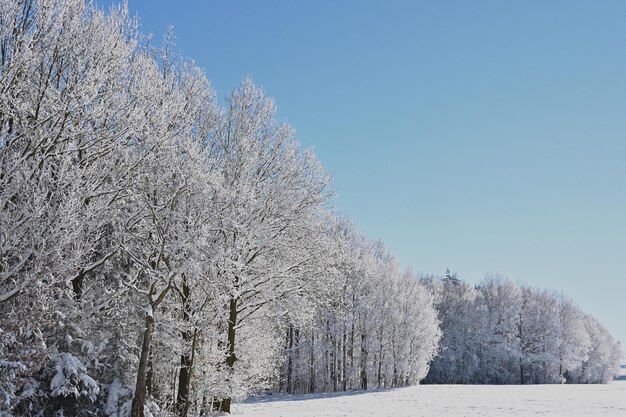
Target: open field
[[450, 401]]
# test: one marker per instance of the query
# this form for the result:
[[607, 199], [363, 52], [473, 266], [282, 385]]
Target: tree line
[[377, 328], [161, 254], [498, 332], [154, 246]]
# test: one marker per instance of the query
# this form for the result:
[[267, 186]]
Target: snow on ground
[[449, 401]]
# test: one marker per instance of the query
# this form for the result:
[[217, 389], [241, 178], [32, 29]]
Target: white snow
[[449, 401]]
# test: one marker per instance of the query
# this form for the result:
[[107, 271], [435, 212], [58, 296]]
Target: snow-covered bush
[[71, 378], [9, 370]]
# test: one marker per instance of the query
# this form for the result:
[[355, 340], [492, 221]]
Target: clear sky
[[483, 136]]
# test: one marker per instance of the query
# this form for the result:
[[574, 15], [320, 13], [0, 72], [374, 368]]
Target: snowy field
[[450, 401]]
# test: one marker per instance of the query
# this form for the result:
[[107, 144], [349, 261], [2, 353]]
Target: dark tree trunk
[[394, 380], [137, 405], [351, 351], [363, 360], [327, 358], [380, 354], [522, 377], [295, 379], [231, 358], [149, 374], [343, 360], [312, 364], [289, 359], [184, 377], [140, 388], [333, 362], [282, 377], [380, 368]]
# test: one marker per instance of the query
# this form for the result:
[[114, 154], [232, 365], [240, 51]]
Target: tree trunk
[[184, 377], [289, 359], [295, 378], [351, 353], [380, 355], [149, 374], [327, 357], [230, 358], [380, 368], [522, 378], [174, 385], [333, 364], [363, 360], [312, 364], [343, 359], [140, 388], [394, 358]]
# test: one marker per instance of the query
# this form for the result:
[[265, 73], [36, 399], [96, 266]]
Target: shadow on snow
[[268, 398]]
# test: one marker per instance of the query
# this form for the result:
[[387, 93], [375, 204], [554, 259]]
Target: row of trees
[[501, 333], [160, 252], [377, 328]]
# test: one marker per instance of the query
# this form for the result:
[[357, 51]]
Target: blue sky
[[487, 137]]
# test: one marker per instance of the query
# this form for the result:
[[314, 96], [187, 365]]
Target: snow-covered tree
[[502, 333], [378, 328], [463, 323], [500, 348], [269, 213], [575, 340], [539, 337], [603, 356]]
